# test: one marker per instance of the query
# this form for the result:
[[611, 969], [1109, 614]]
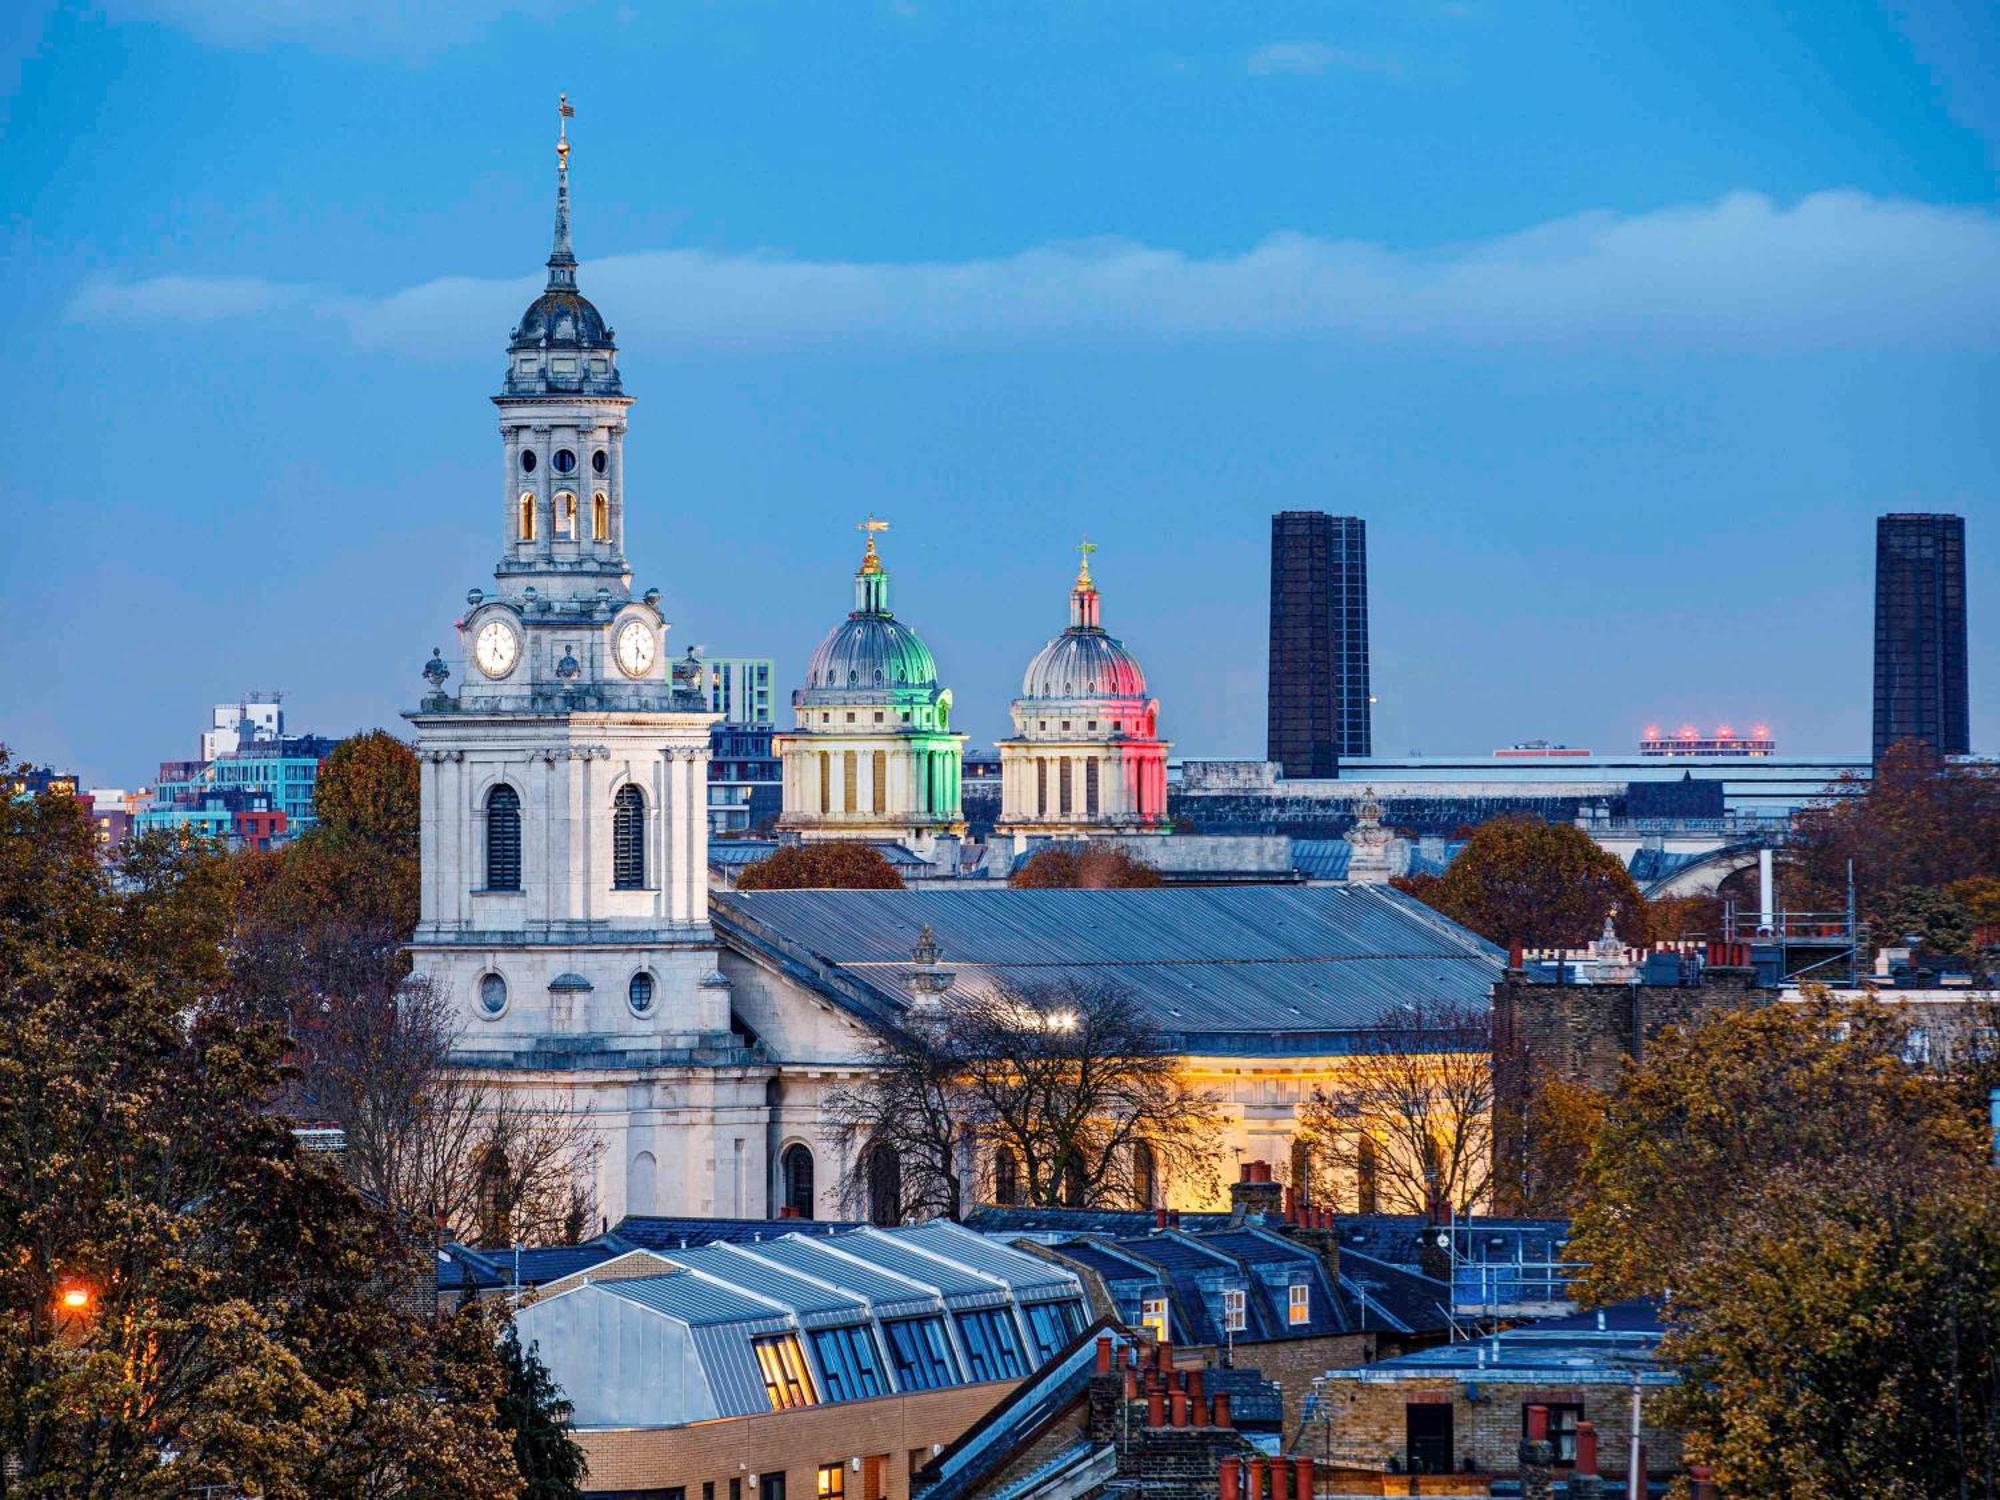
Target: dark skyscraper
[[1920, 682], [1318, 704]]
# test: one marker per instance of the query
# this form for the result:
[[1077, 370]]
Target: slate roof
[[461, 1268], [1233, 970], [658, 1232]]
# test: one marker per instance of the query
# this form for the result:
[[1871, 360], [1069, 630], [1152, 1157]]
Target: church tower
[[1086, 758], [565, 833], [873, 755]]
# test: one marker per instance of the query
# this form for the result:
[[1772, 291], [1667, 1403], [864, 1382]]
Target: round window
[[565, 461], [598, 461], [492, 994], [641, 992], [527, 460]]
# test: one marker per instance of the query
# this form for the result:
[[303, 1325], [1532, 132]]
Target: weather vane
[[871, 562], [1085, 548], [564, 114]]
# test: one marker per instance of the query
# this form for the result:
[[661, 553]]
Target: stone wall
[[1585, 1034]]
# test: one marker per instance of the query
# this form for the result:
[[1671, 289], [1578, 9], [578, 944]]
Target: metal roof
[[1234, 968], [1029, 1279], [694, 1300], [811, 1300], [892, 1296]]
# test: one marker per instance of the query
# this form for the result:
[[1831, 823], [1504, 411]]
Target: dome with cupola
[[562, 345], [871, 652], [1084, 662]]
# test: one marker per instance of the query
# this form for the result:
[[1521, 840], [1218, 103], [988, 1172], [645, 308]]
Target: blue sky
[[1618, 323]]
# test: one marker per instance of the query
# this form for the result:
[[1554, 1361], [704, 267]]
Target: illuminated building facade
[[1723, 742], [872, 755], [1086, 757]]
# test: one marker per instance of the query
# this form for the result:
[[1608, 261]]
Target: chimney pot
[[1156, 1408], [1220, 1407], [1159, 1218], [1197, 1412], [1179, 1404], [1303, 1478], [1231, 1479], [1586, 1449], [1538, 1424], [1104, 1354], [1256, 1479], [1281, 1480]]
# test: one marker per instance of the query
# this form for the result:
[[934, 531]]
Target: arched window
[[885, 1186], [628, 839], [796, 1168], [640, 1180], [565, 516], [503, 839], [1071, 1181], [524, 526], [1365, 1194], [1145, 1176], [1006, 1176], [600, 517]]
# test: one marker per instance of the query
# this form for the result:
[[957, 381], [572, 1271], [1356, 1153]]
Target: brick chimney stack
[[1254, 1194]]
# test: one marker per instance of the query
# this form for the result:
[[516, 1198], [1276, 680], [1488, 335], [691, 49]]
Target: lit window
[[600, 517], [1300, 1308], [1153, 1316], [1235, 1313], [787, 1383], [832, 1481], [565, 504], [524, 526]]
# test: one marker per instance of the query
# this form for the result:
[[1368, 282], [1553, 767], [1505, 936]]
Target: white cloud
[[1309, 59], [1835, 270], [378, 29]]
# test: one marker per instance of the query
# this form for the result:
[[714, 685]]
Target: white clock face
[[635, 648], [496, 648]]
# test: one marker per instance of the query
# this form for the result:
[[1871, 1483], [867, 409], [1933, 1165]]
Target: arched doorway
[[795, 1174], [1145, 1176], [641, 1184]]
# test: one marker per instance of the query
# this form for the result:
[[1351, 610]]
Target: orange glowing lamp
[[75, 1297]]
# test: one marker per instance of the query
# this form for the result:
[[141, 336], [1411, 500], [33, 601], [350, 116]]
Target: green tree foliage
[[838, 864], [1820, 1219], [1542, 884], [535, 1413], [1094, 867], [243, 1316]]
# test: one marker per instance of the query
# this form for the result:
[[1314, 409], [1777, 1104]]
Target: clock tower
[[565, 828]]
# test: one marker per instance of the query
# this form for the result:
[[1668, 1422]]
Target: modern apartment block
[[1921, 691], [1318, 703]]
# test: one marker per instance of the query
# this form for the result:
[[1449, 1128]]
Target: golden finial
[[565, 112], [871, 562], [1084, 549]]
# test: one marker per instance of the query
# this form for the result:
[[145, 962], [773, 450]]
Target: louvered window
[[503, 839], [1041, 789], [1090, 788], [1063, 787], [878, 776], [628, 839]]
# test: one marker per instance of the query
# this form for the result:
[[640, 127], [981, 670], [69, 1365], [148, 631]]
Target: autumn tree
[[1918, 822], [189, 1300], [1543, 884], [1540, 1171], [1821, 1222], [1070, 1078], [836, 864], [1096, 866], [1408, 1120]]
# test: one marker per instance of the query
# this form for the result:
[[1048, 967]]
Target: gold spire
[[1084, 549], [564, 113], [871, 562]]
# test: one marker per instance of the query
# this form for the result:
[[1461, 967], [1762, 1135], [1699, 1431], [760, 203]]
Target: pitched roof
[[1253, 970]]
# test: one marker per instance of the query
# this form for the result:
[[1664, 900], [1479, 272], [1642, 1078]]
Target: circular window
[[492, 994], [527, 460], [640, 991], [565, 461], [598, 461]]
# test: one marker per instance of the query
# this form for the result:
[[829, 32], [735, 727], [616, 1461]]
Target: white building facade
[[564, 836], [1086, 758], [872, 755]]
